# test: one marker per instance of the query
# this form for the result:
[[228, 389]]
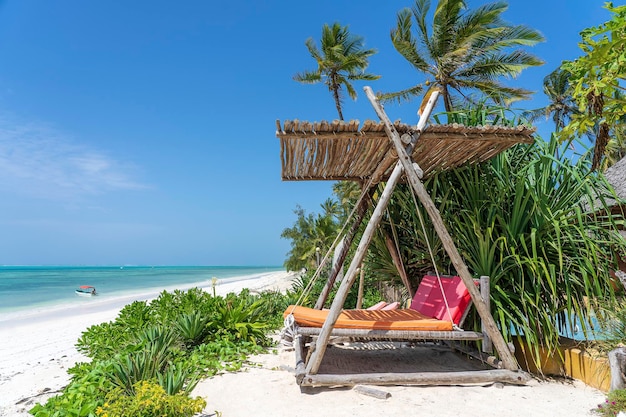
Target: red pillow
[[429, 301]]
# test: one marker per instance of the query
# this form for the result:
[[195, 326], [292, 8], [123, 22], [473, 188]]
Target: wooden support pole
[[299, 350], [337, 305], [617, 364], [485, 293], [397, 262], [362, 205], [349, 278], [359, 297], [491, 329]]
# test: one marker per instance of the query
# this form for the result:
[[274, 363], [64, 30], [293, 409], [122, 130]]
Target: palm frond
[[403, 95]]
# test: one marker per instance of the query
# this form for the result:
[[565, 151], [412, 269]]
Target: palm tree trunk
[[335, 88], [447, 102]]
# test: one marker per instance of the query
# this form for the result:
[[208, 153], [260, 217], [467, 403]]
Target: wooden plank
[[419, 378], [395, 334], [490, 326], [372, 392]]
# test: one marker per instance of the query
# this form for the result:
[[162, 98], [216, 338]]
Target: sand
[[35, 353]]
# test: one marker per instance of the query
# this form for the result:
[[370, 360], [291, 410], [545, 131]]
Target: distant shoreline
[[31, 290], [102, 302], [41, 346]]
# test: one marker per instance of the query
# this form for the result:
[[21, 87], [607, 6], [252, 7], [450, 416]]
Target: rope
[[289, 331], [432, 258]]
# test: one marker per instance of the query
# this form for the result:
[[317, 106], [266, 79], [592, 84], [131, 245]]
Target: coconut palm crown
[[340, 61], [463, 51]]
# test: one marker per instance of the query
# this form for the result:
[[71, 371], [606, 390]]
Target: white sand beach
[[36, 353]]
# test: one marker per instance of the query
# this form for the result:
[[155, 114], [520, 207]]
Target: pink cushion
[[429, 301], [377, 306], [391, 306]]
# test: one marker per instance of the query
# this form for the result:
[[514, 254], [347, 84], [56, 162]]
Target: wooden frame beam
[[362, 205]]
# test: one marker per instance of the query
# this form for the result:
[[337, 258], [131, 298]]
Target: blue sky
[[143, 132]]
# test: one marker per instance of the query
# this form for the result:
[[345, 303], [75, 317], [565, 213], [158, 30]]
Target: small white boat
[[86, 291]]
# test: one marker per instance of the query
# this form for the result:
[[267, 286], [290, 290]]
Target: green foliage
[[615, 402], [81, 397], [462, 51], [482, 114], [531, 220], [597, 79], [238, 319], [612, 317], [311, 236], [192, 328], [149, 399], [340, 61], [174, 341]]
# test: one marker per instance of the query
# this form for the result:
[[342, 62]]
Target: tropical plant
[[81, 397], [340, 60], [597, 79], [147, 400], [165, 342], [530, 220], [616, 147], [561, 105], [311, 236], [462, 51], [238, 319], [150, 357], [612, 321], [192, 328]]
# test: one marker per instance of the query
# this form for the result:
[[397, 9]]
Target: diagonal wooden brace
[[508, 361]]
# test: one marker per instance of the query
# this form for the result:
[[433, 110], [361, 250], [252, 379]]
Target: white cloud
[[38, 161]]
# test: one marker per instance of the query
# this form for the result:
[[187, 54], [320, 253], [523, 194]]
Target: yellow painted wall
[[575, 363]]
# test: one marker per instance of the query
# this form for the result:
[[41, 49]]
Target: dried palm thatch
[[616, 176], [346, 151]]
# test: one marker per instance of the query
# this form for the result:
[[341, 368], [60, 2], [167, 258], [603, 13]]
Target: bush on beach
[[162, 349]]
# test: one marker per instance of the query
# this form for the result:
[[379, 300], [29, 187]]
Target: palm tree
[[340, 61], [463, 51], [562, 106]]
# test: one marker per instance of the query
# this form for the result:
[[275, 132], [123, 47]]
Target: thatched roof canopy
[[616, 176], [346, 151]]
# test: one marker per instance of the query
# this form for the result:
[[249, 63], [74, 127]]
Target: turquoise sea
[[38, 288]]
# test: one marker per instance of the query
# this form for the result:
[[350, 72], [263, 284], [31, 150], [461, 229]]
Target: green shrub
[[238, 320], [192, 328], [173, 341], [149, 400], [81, 397]]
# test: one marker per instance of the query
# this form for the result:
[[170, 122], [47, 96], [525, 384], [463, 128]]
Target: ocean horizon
[[28, 290]]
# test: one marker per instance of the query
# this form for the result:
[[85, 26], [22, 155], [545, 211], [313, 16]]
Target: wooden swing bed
[[388, 152]]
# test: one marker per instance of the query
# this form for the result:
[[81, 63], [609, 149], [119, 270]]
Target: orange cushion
[[369, 319], [429, 301]]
